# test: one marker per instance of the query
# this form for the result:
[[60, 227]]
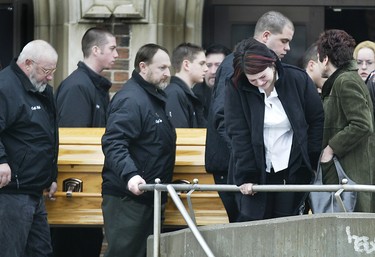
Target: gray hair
[[37, 50]]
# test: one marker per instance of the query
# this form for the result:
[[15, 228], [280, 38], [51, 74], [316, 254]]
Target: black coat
[[28, 133], [139, 139], [203, 93], [217, 151], [244, 121], [183, 107], [82, 99]]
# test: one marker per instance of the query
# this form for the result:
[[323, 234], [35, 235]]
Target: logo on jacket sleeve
[[37, 107], [158, 120]]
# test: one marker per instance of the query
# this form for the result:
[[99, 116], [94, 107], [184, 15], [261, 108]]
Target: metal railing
[[190, 219]]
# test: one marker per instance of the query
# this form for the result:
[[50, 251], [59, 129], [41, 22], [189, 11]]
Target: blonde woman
[[364, 54]]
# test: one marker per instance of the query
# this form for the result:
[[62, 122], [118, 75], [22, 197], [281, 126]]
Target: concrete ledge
[[319, 235]]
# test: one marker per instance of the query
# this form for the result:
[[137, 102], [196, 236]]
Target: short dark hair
[[337, 45], [146, 53], [184, 51], [311, 53], [94, 36], [251, 57], [217, 49]]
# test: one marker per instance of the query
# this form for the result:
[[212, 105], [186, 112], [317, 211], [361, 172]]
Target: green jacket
[[348, 129]]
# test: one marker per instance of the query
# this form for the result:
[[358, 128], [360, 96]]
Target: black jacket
[[183, 107], [244, 121], [203, 93], [217, 152], [370, 82], [28, 133], [139, 139], [82, 99]]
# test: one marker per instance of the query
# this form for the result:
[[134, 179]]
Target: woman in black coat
[[274, 119]]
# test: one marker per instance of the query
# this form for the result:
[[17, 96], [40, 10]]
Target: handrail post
[[190, 203], [157, 219], [339, 200], [189, 221]]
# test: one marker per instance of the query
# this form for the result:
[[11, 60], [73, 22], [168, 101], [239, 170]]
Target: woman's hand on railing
[[247, 189]]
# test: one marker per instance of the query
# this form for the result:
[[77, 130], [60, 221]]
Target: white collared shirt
[[277, 133]]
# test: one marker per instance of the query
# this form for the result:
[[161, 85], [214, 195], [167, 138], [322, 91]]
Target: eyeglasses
[[45, 71]]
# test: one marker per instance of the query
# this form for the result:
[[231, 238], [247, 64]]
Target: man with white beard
[[28, 150]]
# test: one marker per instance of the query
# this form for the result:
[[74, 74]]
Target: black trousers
[[228, 198], [76, 242], [279, 204], [268, 205]]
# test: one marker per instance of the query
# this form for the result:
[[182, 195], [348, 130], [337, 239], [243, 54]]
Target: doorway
[[6, 34], [17, 29], [227, 23], [358, 22]]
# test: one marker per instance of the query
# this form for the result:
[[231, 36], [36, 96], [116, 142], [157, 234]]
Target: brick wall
[[119, 73]]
